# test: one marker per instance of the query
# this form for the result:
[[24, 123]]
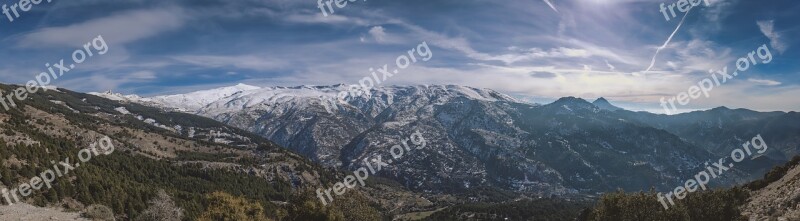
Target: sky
[[536, 50]]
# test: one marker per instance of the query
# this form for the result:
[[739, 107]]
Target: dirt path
[[28, 212]]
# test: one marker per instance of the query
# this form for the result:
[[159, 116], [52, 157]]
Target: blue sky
[[534, 49]]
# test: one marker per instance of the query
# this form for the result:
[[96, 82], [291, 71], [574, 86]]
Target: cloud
[[250, 62], [378, 33], [764, 82], [603, 52], [460, 44], [143, 75], [697, 56], [109, 81], [315, 18], [768, 29], [542, 74], [534, 53], [121, 28], [318, 18], [610, 67]]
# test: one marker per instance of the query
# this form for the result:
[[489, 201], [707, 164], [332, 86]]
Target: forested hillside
[[200, 164]]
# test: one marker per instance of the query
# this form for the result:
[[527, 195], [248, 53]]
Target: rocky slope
[[780, 199]]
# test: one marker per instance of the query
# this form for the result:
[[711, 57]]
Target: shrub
[[99, 212]]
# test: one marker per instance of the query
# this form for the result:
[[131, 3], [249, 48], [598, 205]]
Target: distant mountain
[[721, 130], [602, 103], [480, 137]]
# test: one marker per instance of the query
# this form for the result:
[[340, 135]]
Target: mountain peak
[[571, 100], [602, 103], [571, 104], [198, 99], [721, 108]]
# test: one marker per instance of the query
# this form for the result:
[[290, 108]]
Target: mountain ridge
[[482, 137], [164, 101]]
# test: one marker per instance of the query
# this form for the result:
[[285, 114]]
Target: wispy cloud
[[109, 81], [764, 82], [768, 29], [116, 29], [610, 67], [251, 62], [317, 18]]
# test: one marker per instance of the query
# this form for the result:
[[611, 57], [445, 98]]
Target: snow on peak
[[246, 87], [243, 96], [117, 96], [199, 99], [479, 94]]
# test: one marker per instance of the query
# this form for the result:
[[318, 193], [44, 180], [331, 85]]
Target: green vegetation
[[712, 205], [223, 206]]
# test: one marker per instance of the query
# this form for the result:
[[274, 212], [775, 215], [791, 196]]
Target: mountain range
[[481, 137]]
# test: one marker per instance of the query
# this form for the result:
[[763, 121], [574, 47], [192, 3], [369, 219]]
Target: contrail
[[551, 5], [653, 62]]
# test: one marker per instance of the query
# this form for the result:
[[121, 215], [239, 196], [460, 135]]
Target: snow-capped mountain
[[475, 137], [117, 96], [190, 102], [199, 99]]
